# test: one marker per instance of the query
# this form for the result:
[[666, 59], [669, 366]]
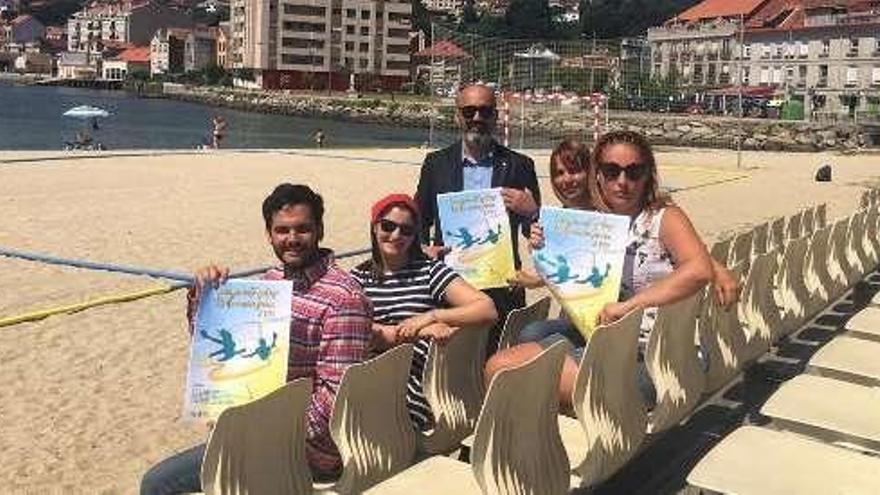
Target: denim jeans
[[176, 474]]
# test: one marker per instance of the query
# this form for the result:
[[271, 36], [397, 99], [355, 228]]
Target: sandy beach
[[91, 399]]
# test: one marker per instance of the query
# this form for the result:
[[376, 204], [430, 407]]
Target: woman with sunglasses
[[415, 299], [665, 261]]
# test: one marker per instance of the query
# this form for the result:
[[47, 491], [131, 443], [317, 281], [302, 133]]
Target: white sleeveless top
[[647, 260]]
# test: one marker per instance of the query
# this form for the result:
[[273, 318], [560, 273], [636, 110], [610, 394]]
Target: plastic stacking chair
[[761, 239], [870, 241], [741, 250], [721, 250], [517, 449], [673, 364], [848, 358], [808, 222], [370, 422], [865, 324], [816, 276], [453, 386], [791, 295], [830, 410], [758, 312], [759, 461], [793, 226], [838, 265], [856, 252], [821, 216], [612, 417], [722, 339], [519, 318], [777, 233], [259, 447]]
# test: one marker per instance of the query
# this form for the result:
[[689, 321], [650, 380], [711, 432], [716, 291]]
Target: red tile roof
[[136, 54], [711, 9], [443, 50]]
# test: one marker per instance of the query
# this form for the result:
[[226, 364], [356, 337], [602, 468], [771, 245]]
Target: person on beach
[[665, 261], [331, 329], [478, 161], [569, 163], [218, 124], [415, 298], [319, 137]]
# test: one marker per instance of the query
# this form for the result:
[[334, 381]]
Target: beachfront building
[[199, 49], [167, 49], [822, 52], [20, 32], [131, 60], [316, 43], [102, 24], [222, 39], [78, 65], [34, 63]]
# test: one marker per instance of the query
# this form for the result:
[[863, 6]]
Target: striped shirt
[[330, 329], [417, 288]]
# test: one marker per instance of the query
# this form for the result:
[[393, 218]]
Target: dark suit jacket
[[442, 172]]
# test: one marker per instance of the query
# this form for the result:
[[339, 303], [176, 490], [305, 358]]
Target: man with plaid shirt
[[330, 329]]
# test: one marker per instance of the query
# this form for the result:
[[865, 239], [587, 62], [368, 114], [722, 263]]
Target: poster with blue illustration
[[582, 261], [477, 229], [240, 344]]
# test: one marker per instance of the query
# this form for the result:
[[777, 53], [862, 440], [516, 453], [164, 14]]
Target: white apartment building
[[293, 43], [119, 23]]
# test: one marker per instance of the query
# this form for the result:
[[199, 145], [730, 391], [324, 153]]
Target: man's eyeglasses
[[486, 112], [633, 172], [389, 227]]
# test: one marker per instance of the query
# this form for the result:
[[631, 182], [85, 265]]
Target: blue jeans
[[176, 474]]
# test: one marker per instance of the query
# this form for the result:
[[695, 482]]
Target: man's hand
[[525, 279], [384, 336], [438, 332], [613, 312], [519, 201], [434, 252], [211, 274], [726, 287], [409, 328]]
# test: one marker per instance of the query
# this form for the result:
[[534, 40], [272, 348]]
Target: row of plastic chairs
[[821, 422]]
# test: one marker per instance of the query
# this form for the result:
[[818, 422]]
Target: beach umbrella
[[86, 112]]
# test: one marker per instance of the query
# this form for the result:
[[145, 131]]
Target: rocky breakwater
[[402, 112]]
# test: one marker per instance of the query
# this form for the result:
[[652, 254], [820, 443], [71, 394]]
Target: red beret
[[398, 199]]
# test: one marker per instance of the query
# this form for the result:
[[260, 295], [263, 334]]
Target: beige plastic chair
[[759, 461], [761, 239], [816, 276], [517, 449], [821, 216], [865, 324], [830, 410], [612, 417], [370, 422], [519, 318], [777, 232], [673, 364], [839, 267], [722, 339], [259, 447], [849, 359], [793, 226], [453, 386], [870, 242], [758, 312], [856, 253], [808, 222], [721, 250], [741, 250], [791, 295]]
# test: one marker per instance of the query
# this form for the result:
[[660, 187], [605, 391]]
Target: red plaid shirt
[[330, 329]]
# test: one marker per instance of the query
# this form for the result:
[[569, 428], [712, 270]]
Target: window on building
[[789, 74], [349, 29], [349, 46], [875, 76], [777, 75], [364, 47], [363, 63], [765, 76], [746, 75], [852, 76], [747, 51], [803, 49], [365, 15], [365, 30], [712, 74], [307, 10], [823, 76], [826, 48], [777, 50], [698, 74], [765, 50], [802, 75], [350, 13], [853, 47]]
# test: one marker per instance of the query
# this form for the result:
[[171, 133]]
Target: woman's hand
[[536, 236], [726, 287], [409, 328], [384, 336], [438, 332], [613, 312], [526, 279]]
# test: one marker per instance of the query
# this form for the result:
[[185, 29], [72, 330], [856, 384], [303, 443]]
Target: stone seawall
[[662, 129]]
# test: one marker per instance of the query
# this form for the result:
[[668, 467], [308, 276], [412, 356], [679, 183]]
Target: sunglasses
[[486, 112], [633, 172], [389, 227]]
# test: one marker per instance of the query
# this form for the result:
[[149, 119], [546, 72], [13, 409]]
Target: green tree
[[529, 19], [621, 18]]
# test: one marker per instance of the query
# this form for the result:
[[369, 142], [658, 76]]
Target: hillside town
[[823, 54]]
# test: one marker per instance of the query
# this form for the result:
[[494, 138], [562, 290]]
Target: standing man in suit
[[477, 161]]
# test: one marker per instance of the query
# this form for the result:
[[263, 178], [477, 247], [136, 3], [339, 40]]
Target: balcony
[[823, 82], [852, 53]]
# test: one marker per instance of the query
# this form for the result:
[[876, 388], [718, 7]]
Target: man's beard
[[478, 138]]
